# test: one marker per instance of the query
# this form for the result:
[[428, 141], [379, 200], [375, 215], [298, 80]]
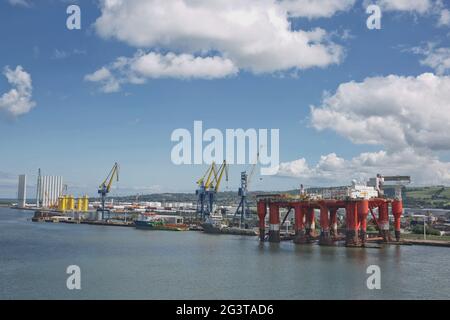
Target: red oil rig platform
[[356, 213]]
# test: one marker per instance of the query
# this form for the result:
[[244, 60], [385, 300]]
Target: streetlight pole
[[424, 229]]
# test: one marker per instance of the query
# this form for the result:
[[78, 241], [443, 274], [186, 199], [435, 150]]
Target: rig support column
[[299, 224], [351, 219], [324, 226], [310, 223], [363, 211], [397, 211], [383, 220], [262, 211], [274, 223], [333, 223]]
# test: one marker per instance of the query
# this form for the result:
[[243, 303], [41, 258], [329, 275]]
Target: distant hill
[[429, 197], [426, 197]]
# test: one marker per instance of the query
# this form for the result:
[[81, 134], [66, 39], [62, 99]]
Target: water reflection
[[123, 263]]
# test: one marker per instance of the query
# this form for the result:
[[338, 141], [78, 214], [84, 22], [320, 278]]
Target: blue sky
[[78, 131]]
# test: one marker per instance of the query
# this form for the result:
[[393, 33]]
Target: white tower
[[22, 192]]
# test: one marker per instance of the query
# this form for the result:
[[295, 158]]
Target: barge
[[151, 221]]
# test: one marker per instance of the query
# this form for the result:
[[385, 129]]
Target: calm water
[[124, 263]]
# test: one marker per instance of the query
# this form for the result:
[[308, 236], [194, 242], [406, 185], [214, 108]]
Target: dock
[[433, 243]]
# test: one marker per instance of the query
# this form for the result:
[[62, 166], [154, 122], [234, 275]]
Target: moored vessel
[[151, 221]]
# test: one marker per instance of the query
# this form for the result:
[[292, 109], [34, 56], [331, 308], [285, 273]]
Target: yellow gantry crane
[[206, 180], [208, 186], [105, 187]]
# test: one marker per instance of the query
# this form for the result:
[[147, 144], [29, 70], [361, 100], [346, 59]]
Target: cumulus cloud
[[406, 116], [18, 100], [393, 111], [252, 35], [333, 170], [153, 65], [419, 6], [108, 82], [256, 35], [434, 57]]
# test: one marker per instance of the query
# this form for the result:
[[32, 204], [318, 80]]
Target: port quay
[[342, 213]]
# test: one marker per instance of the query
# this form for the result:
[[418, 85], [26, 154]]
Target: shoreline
[[406, 239]]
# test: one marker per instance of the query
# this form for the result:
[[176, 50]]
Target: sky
[[349, 101]]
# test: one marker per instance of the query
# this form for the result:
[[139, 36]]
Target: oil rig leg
[[299, 224], [324, 226], [262, 211], [363, 211], [274, 223], [351, 214], [397, 211], [310, 224], [383, 221], [333, 223]]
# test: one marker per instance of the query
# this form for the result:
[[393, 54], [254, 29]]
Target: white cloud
[[255, 35], [444, 18], [103, 76], [153, 65], [333, 170], [419, 6], [316, 8], [99, 75], [251, 35], [407, 116], [393, 111], [21, 3], [17, 101], [434, 57]]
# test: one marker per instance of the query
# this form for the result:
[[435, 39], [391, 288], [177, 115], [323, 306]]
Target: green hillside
[[430, 197], [426, 197]]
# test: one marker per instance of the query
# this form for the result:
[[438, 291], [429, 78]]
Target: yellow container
[[85, 204], [62, 203], [70, 203], [80, 204], [66, 201]]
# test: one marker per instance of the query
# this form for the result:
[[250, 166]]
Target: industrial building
[[48, 191], [22, 192]]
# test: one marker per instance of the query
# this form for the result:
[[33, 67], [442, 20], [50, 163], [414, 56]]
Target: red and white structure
[[356, 213]]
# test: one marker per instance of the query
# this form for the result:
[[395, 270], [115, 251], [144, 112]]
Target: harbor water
[[125, 263]]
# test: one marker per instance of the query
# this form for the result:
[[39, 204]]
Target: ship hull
[[145, 225], [214, 229]]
